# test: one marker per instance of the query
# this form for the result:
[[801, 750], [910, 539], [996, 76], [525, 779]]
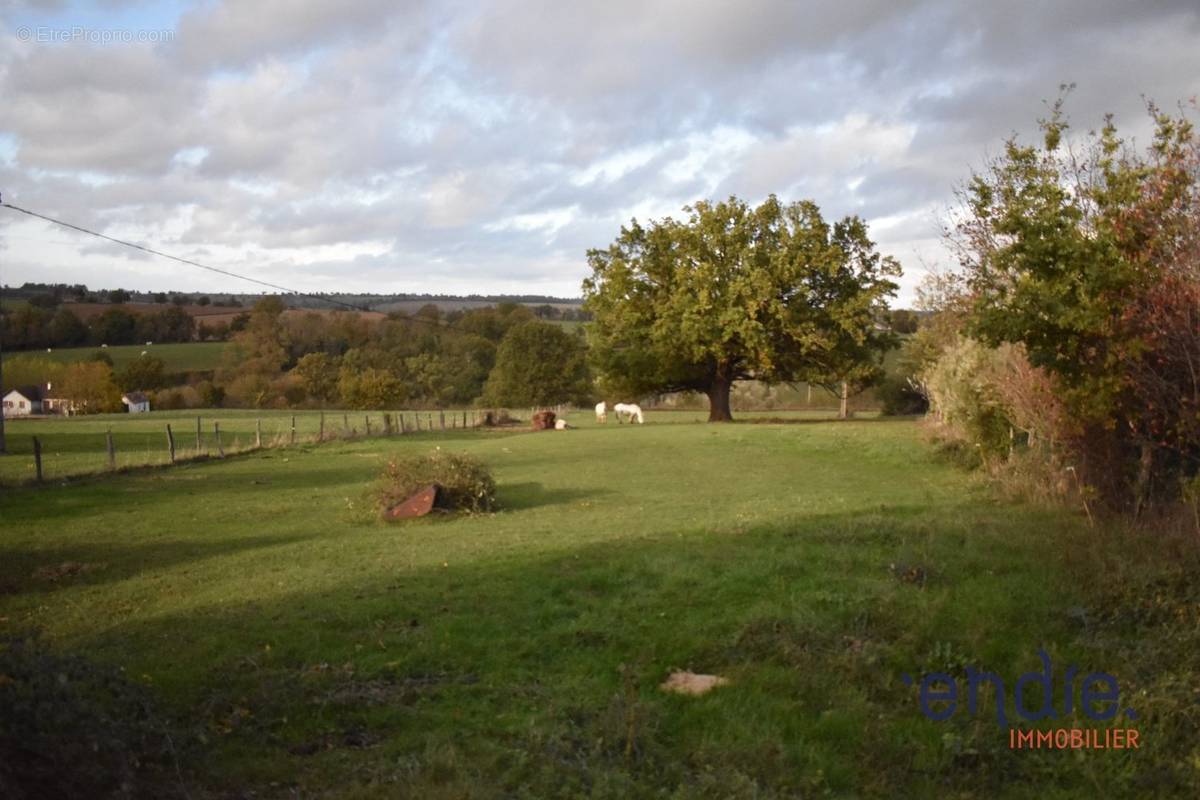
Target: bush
[[899, 395], [1088, 256], [965, 399], [211, 395], [465, 482], [177, 398], [69, 728]]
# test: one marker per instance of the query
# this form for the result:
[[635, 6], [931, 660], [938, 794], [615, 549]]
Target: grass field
[[78, 445], [309, 650], [179, 357]]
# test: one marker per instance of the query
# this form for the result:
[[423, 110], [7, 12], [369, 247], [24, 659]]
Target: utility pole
[[3, 443]]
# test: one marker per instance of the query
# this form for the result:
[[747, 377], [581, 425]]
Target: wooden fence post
[[217, 436], [429, 419], [112, 451], [442, 417], [170, 443], [417, 421], [37, 457], [367, 423], [321, 430], [346, 424], [198, 444], [293, 429], [400, 416], [258, 434], [464, 419], [387, 424]]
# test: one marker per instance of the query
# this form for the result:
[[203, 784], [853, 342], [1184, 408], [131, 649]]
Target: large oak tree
[[773, 293]]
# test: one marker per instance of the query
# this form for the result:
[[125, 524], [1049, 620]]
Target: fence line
[[394, 424]]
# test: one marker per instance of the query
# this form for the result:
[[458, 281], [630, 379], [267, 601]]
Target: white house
[[23, 401], [136, 402], [55, 405]]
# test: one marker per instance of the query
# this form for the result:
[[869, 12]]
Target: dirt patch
[[914, 574], [692, 683], [65, 570], [353, 738]]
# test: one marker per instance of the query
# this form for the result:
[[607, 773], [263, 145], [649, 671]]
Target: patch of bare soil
[[692, 683], [67, 569]]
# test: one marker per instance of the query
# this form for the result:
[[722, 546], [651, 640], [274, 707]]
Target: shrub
[[211, 395], [179, 397], [900, 395], [69, 728], [465, 482], [965, 399], [1088, 256]]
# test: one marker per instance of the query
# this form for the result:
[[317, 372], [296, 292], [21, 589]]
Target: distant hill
[[222, 303]]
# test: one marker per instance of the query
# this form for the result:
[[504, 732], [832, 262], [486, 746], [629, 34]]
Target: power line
[[188, 261], [134, 245]]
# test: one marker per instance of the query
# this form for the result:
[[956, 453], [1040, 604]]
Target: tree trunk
[[718, 400], [1142, 488]]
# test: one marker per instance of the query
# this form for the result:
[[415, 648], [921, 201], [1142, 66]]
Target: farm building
[[55, 405], [135, 402], [23, 401]]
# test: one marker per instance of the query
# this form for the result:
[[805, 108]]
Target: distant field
[[184, 357], [209, 314]]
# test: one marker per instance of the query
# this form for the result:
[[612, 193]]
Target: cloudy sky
[[374, 145]]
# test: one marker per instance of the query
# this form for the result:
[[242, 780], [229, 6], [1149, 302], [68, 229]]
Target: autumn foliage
[[1085, 253]]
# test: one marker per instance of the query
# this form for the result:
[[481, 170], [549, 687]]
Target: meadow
[[178, 357], [303, 648], [77, 446]]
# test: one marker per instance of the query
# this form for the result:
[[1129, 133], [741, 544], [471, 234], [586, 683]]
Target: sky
[[484, 147]]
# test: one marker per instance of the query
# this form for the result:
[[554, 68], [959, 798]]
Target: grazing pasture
[[305, 648], [77, 445], [178, 357]]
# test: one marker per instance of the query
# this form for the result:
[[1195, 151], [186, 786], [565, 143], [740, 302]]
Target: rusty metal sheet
[[418, 505]]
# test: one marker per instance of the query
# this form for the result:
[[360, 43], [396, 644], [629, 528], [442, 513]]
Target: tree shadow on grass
[[453, 653], [40, 570], [766, 419]]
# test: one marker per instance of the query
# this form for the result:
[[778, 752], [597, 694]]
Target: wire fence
[[76, 448]]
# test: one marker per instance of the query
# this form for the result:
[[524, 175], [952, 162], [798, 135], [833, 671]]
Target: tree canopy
[[538, 364], [1087, 254], [772, 293]]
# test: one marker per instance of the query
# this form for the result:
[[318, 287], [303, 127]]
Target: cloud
[[458, 146]]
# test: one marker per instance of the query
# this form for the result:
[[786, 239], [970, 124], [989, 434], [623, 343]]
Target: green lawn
[[179, 357], [310, 650], [78, 445]]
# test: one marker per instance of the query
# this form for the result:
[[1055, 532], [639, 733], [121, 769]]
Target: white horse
[[602, 411], [630, 410]]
